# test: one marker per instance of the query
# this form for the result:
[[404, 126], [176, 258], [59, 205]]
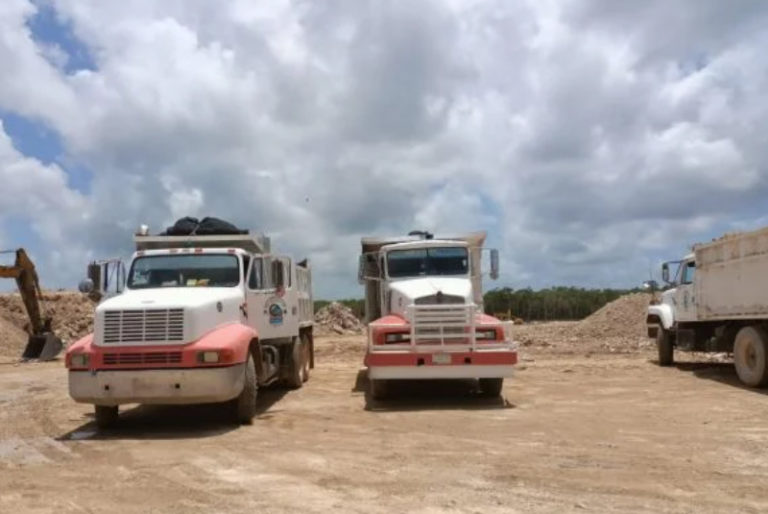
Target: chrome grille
[[143, 325], [443, 324], [443, 299], [142, 358]]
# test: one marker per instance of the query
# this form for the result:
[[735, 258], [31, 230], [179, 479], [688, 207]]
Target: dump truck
[[43, 344], [424, 309], [201, 319], [716, 300]]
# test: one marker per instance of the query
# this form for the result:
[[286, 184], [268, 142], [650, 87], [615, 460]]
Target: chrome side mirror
[[650, 285], [665, 272], [85, 286]]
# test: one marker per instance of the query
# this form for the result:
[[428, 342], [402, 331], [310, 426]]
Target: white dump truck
[[717, 302], [202, 319], [424, 308]]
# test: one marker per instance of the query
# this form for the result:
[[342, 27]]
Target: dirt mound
[[623, 317], [72, 315], [12, 339], [336, 318], [618, 327]]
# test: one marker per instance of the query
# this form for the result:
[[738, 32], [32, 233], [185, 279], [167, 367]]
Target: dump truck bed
[[253, 243], [732, 277]]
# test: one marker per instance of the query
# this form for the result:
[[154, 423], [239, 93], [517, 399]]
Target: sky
[[591, 139]]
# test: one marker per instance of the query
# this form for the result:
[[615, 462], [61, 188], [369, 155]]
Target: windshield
[[450, 260], [203, 270]]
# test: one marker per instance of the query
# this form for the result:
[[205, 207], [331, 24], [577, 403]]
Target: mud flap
[[45, 347]]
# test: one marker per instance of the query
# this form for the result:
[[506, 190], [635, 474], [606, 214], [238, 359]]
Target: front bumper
[[436, 365], [162, 386], [439, 372]]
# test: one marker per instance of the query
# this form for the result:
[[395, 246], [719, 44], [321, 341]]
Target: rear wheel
[[245, 404], [491, 387], [299, 362], [750, 356], [106, 416], [377, 388], [664, 347], [307, 350]]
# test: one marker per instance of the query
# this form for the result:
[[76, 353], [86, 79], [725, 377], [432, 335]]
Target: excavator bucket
[[44, 347]]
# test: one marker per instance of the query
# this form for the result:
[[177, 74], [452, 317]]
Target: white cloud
[[578, 133]]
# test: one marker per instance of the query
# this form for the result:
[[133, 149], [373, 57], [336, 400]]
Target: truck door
[[267, 308], [685, 297]]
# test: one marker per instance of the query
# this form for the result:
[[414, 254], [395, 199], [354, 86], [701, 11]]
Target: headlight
[[402, 337], [80, 360], [486, 334], [208, 357]]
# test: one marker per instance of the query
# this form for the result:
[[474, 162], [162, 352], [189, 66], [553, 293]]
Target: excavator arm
[[42, 344]]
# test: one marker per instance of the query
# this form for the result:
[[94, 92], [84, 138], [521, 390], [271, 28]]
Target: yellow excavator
[[43, 343]]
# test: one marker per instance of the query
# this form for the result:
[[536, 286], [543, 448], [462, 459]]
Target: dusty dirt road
[[575, 432]]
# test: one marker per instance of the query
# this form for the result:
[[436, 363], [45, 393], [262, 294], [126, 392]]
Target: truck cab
[[201, 319], [425, 313]]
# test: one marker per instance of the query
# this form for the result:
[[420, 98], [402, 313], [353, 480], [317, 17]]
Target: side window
[[689, 272], [256, 280], [246, 263]]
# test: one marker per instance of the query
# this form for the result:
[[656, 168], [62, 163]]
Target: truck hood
[[403, 293], [202, 310], [169, 298], [415, 288]]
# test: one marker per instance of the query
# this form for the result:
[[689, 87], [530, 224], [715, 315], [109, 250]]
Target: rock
[[338, 319]]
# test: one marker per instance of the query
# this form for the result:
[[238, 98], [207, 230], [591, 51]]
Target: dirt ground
[[578, 430]]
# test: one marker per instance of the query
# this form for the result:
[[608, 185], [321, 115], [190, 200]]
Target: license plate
[[441, 358]]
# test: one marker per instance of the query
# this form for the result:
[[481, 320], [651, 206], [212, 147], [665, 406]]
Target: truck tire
[[377, 388], [664, 347], [491, 387], [750, 356], [106, 416], [245, 403], [295, 378], [307, 349]]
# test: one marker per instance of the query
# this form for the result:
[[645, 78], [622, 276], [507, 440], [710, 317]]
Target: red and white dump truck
[[202, 319], [424, 306]]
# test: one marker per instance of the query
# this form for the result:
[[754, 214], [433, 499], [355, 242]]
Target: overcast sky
[[591, 139]]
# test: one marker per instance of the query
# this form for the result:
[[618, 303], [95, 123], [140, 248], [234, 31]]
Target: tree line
[[556, 303]]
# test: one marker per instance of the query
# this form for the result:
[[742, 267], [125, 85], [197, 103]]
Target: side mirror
[[650, 285], [361, 270], [494, 264], [85, 286], [665, 272]]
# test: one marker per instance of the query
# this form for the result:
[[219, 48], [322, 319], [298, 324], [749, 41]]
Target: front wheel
[[664, 347], [750, 354], [245, 404], [491, 387], [377, 388], [106, 416]]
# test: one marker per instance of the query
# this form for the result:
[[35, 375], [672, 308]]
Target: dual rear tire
[[750, 356], [300, 362]]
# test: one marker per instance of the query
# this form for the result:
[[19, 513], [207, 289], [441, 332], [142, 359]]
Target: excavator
[[42, 344]]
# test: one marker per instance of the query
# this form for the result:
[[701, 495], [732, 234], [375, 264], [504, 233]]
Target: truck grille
[[142, 358], [443, 324], [143, 325], [444, 299]]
